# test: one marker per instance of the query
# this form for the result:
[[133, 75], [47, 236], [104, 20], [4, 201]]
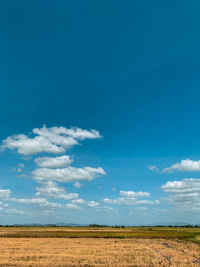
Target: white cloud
[[27, 146], [81, 201], [43, 202], [51, 205], [72, 206], [92, 203], [50, 140], [52, 169], [5, 193], [134, 194], [78, 201], [184, 186], [183, 195], [30, 200], [53, 162], [50, 189], [77, 184], [129, 201], [185, 165], [68, 174], [76, 133], [131, 198]]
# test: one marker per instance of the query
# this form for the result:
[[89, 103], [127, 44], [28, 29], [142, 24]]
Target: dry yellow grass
[[97, 252]]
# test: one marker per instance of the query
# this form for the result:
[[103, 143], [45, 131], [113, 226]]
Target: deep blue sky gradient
[[129, 69]]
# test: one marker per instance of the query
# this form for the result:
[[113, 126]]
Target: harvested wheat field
[[97, 252]]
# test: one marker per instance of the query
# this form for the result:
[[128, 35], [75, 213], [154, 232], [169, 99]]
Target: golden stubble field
[[97, 246], [97, 252]]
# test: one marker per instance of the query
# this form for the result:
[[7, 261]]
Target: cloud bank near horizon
[[52, 172]]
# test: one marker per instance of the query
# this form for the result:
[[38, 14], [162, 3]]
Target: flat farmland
[[182, 233], [136, 246]]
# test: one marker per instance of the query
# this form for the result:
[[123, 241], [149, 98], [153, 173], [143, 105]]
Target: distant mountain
[[70, 224], [172, 224]]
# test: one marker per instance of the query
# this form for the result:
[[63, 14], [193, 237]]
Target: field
[[81, 246]]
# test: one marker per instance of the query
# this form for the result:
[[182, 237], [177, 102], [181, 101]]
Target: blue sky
[[129, 70]]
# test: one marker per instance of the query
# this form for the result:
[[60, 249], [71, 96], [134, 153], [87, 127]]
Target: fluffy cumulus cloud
[[68, 174], [50, 169], [5, 193], [93, 203], [185, 165], [50, 189], [49, 140], [43, 202], [80, 204], [53, 162], [183, 195], [78, 201], [81, 201], [131, 198]]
